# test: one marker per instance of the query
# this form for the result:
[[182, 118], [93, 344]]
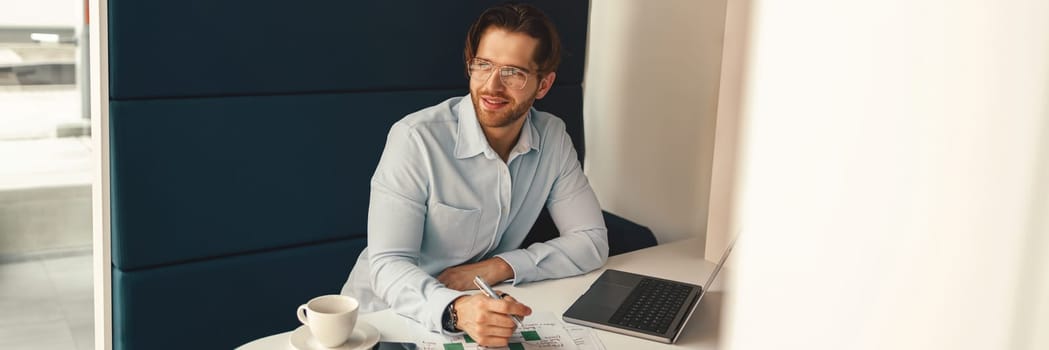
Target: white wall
[[650, 100], [894, 178]]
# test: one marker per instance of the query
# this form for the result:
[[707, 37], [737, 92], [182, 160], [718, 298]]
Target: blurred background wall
[[650, 105]]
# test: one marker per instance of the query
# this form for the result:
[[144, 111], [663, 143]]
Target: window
[[45, 177]]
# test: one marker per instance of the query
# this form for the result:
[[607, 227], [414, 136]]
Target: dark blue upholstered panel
[[209, 177], [223, 303], [566, 102], [243, 138], [624, 236], [250, 47]]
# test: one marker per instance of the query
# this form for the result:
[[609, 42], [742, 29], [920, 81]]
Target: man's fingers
[[510, 307], [506, 296], [490, 329], [495, 319], [497, 331], [492, 336], [512, 300]]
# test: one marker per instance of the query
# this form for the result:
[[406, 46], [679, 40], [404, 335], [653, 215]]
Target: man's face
[[496, 104]]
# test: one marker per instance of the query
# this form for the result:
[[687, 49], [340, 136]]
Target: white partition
[[894, 176]]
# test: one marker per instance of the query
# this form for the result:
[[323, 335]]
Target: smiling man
[[460, 184]]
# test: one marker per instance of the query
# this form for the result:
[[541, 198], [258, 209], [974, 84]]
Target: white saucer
[[364, 337]]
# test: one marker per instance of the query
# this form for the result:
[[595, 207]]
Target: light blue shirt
[[441, 197]]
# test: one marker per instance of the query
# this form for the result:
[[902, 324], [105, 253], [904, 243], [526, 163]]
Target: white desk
[[680, 261]]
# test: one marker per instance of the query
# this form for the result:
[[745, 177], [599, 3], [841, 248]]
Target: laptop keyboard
[[651, 306]]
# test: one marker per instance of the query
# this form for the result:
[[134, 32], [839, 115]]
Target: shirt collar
[[471, 140], [529, 136]]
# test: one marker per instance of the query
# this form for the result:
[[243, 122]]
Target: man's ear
[[544, 85]]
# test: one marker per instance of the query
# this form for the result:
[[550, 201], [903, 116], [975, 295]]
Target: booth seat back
[[243, 136]]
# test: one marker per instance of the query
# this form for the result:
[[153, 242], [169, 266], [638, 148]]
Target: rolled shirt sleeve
[[583, 244]]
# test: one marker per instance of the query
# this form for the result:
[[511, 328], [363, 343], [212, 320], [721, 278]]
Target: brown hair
[[519, 18]]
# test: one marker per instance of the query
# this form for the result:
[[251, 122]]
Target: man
[[460, 184]]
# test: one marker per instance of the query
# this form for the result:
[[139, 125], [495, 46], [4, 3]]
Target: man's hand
[[493, 271], [487, 320]]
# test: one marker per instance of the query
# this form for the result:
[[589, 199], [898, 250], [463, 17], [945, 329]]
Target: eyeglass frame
[[500, 68]]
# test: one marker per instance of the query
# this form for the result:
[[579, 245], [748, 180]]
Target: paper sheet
[[584, 337], [541, 331]]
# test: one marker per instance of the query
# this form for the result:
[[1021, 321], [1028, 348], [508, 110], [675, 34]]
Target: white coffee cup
[[331, 318]]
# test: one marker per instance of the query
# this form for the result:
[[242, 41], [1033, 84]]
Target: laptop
[[641, 306]]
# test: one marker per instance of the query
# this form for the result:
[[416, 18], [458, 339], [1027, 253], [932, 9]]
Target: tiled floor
[[47, 304]]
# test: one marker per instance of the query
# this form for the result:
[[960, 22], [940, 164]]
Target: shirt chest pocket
[[451, 233]]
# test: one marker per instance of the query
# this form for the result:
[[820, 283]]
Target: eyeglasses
[[513, 77]]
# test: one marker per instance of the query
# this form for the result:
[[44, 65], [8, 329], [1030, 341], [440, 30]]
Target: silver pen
[[487, 290]]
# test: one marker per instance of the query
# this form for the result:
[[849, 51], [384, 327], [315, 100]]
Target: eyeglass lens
[[511, 77]]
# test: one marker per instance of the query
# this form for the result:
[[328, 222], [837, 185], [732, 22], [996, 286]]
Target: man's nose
[[494, 82]]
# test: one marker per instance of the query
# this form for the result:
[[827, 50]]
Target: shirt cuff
[[521, 263], [438, 303]]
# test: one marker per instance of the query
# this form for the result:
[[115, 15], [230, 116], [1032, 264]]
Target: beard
[[506, 116]]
